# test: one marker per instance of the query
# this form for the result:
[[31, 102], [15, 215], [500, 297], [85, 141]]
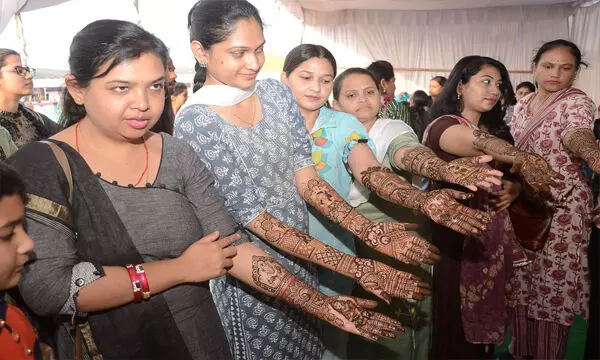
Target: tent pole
[[21, 37]]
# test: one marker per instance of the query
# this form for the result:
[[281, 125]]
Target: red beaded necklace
[[145, 148]]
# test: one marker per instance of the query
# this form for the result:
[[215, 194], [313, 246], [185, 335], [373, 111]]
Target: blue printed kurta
[[255, 171]]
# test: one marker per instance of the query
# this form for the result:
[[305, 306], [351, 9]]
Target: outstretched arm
[[391, 239], [463, 141], [441, 205], [257, 269], [373, 276], [582, 142]]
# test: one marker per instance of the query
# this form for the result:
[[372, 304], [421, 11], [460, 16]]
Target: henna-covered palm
[[441, 206], [352, 315], [536, 172], [469, 173], [386, 282]]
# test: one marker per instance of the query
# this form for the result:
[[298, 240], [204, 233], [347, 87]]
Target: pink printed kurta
[[556, 286]]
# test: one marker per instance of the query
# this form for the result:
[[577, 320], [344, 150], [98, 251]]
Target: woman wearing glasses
[[18, 124]]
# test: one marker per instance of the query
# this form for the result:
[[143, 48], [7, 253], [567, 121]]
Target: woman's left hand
[[441, 206]]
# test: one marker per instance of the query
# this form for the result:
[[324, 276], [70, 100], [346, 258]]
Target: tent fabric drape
[[433, 40], [585, 32]]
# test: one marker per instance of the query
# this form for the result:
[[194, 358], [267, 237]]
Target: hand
[[208, 258], [467, 172], [386, 282], [503, 198], [392, 239], [536, 172], [441, 206], [350, 314]]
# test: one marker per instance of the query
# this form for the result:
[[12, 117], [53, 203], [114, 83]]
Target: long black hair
[[212, 21], [113, 42], [449, 104], [305, 52]]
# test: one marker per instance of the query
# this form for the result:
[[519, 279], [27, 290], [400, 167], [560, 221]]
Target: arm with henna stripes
[[391, 239], [256, 268], [582, 142], [373, 276], [464, 141]]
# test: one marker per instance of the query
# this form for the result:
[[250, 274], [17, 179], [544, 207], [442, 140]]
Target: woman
[[337, 151], [254, 140], [386, 81], [469, 312], [556, 123], [419, 112], [436, 85], [23, 124], [127, 257], [18, 339], [523, 89], [178, 96]]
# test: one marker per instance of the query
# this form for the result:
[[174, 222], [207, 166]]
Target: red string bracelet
[[287, 286]]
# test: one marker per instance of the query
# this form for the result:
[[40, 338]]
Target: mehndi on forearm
[[420, 160], [582, 143]]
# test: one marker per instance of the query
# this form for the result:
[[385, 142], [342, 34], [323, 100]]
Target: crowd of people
[[314, 217]]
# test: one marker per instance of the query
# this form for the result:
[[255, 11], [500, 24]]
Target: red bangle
[[135, 283], [139, 269], [287, 286]]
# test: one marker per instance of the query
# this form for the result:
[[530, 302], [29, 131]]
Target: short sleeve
[[578, 113], [407, 139], [197, 126], [351, 133], [435, 131], [302, 148]]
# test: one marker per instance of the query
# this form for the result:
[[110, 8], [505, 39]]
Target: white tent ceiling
[[9, 7], [335, 5]]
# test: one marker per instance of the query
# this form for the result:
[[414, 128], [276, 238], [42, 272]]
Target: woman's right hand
[[536, 172], [354, 315], [207, 258]]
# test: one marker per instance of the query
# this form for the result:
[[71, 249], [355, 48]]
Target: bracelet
[[136, 283], [287, 286], [139, 268]]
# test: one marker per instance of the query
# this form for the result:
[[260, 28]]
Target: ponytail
[[200, 77]]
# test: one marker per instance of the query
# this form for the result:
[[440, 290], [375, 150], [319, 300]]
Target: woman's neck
[[9, 103], [471, 115], [310, 117], [99, 143], [368, 124]]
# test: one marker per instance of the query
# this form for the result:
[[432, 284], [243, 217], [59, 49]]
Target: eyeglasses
[[22, 70]]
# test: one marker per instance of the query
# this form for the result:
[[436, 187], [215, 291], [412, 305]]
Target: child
[[18, 339]]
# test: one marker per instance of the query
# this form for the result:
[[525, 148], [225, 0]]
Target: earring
[[203, 64], [458, 96]]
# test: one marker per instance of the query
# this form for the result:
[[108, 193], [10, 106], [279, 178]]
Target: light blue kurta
[[332, 137]]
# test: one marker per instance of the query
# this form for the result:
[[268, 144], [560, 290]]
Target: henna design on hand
[[583, 143], [377, 278], [465, 172], [345, 312], [439, 205], [534, 169]]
